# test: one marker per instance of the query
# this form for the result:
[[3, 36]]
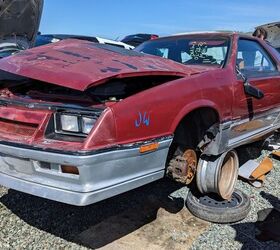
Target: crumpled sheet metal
[[255, 172]]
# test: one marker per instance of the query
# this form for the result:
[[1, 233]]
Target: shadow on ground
[[103, 222], [265, 232]]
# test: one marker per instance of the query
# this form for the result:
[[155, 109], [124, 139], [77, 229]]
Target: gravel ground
[[28, 222]]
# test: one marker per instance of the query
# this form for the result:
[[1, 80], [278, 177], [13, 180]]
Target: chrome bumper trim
[[100, 176], [76, 198]]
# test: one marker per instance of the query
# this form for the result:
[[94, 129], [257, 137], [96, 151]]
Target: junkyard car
[[273, 33], [19, 23], [81, 122]]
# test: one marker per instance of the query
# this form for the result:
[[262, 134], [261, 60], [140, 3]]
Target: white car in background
[[114, 43]]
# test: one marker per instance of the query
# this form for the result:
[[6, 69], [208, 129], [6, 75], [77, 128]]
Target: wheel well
[[192, 128]]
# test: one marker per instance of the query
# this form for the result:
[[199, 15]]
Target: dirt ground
[[151, 217], [168, 230]]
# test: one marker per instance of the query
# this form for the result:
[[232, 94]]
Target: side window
[[252, 58]]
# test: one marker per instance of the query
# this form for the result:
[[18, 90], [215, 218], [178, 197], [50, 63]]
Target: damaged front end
[[58, 135], [33, 112], [61, 144]]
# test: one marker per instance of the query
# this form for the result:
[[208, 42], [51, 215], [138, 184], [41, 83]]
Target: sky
[[116, 18]]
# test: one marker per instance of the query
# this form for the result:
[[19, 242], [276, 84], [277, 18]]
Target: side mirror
[[253, 91], [248, 88]]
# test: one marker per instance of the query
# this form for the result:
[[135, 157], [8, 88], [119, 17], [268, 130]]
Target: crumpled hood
[[80, 64], [273, 33], [19, 21]]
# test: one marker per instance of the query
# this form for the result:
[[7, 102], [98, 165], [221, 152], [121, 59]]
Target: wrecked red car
[[81, 122]]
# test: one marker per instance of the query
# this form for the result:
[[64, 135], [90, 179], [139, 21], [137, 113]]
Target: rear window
[[200, 51]]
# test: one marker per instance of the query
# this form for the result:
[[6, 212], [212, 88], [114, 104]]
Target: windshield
[[189, 50]]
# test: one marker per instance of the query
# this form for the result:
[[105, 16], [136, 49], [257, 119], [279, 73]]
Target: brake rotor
[[191, 159], [183, 167]]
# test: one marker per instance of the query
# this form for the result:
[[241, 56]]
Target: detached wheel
[[214, 209], [218, 175]]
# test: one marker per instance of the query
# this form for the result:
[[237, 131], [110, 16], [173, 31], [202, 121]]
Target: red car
[[81, 122]]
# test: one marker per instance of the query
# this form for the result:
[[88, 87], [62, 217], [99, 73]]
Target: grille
[[17, 128]]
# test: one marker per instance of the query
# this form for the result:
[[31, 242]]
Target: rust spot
[[248, 126], [183, 167]]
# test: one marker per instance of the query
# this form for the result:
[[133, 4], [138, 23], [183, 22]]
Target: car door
[[256, 116]]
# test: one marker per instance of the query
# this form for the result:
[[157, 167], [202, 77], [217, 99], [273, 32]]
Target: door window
[[253, 59]]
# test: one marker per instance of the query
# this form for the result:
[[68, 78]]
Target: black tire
[[216, 210]]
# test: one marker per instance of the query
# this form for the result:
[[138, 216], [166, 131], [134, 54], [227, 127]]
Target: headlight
[[75, 124], [87, 124], [69, 123]]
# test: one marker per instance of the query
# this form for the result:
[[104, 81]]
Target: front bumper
[[101, 175]]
